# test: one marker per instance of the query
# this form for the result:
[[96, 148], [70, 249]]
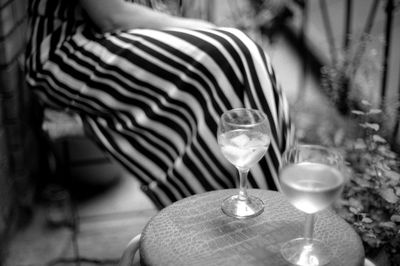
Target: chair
[[59, 124], [73, 158], [367, 262], [130, 255]]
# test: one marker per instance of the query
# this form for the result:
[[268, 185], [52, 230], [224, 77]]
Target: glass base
[[303, 252], [238, 208]]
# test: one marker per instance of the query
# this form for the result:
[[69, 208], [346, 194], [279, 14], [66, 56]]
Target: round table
[[194, 231]]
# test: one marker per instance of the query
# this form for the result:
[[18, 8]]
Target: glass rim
[[297, 146], [313, 146], [262, 114], [341, 167]]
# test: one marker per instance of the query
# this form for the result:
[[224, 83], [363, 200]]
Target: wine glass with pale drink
[[311, 178], [244, 137]]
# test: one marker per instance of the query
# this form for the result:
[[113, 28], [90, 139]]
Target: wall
[[17, 141]]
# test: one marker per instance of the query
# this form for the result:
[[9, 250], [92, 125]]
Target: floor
[[106, 222]]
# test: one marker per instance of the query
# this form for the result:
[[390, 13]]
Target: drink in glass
[[243, 148], [311, 187], [311, 178], [244, 137]]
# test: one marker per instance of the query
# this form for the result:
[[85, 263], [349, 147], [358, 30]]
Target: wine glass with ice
[[244, 137], [311, 178]]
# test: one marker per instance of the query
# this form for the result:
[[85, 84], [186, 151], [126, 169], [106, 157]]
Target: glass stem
[[309, 228], [243, 183]]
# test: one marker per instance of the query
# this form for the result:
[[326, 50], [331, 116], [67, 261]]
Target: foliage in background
[[258, 17], [371, 198], [354, 74]]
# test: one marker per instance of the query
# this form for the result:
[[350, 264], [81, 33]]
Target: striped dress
[[152, 98]]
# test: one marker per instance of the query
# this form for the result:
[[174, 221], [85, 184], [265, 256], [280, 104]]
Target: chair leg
[[128, 257]]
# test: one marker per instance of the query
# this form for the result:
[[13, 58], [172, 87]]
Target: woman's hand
[[112, 15]]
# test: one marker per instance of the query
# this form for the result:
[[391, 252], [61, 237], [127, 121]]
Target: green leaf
[[388, 224], [373, 126], [363, 183], [365, 102], [393, 176], [375, 111], [355, 203], [360, 144], [354, 210], [367, 220], [395, 218], [378, 139], [358, 112], [371, 235], [339, 136], [397, 189], [389, 195]]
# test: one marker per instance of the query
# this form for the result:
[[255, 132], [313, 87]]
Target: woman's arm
[[111, 15]]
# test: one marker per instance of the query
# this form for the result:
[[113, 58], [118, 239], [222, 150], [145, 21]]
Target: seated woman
[[151, 87]]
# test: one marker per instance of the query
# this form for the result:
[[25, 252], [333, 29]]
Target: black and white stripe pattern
[[152, 98]]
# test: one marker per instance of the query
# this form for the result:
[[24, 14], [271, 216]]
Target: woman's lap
[[153, 99]]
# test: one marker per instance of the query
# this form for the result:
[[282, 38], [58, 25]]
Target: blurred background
[[63, 202]]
